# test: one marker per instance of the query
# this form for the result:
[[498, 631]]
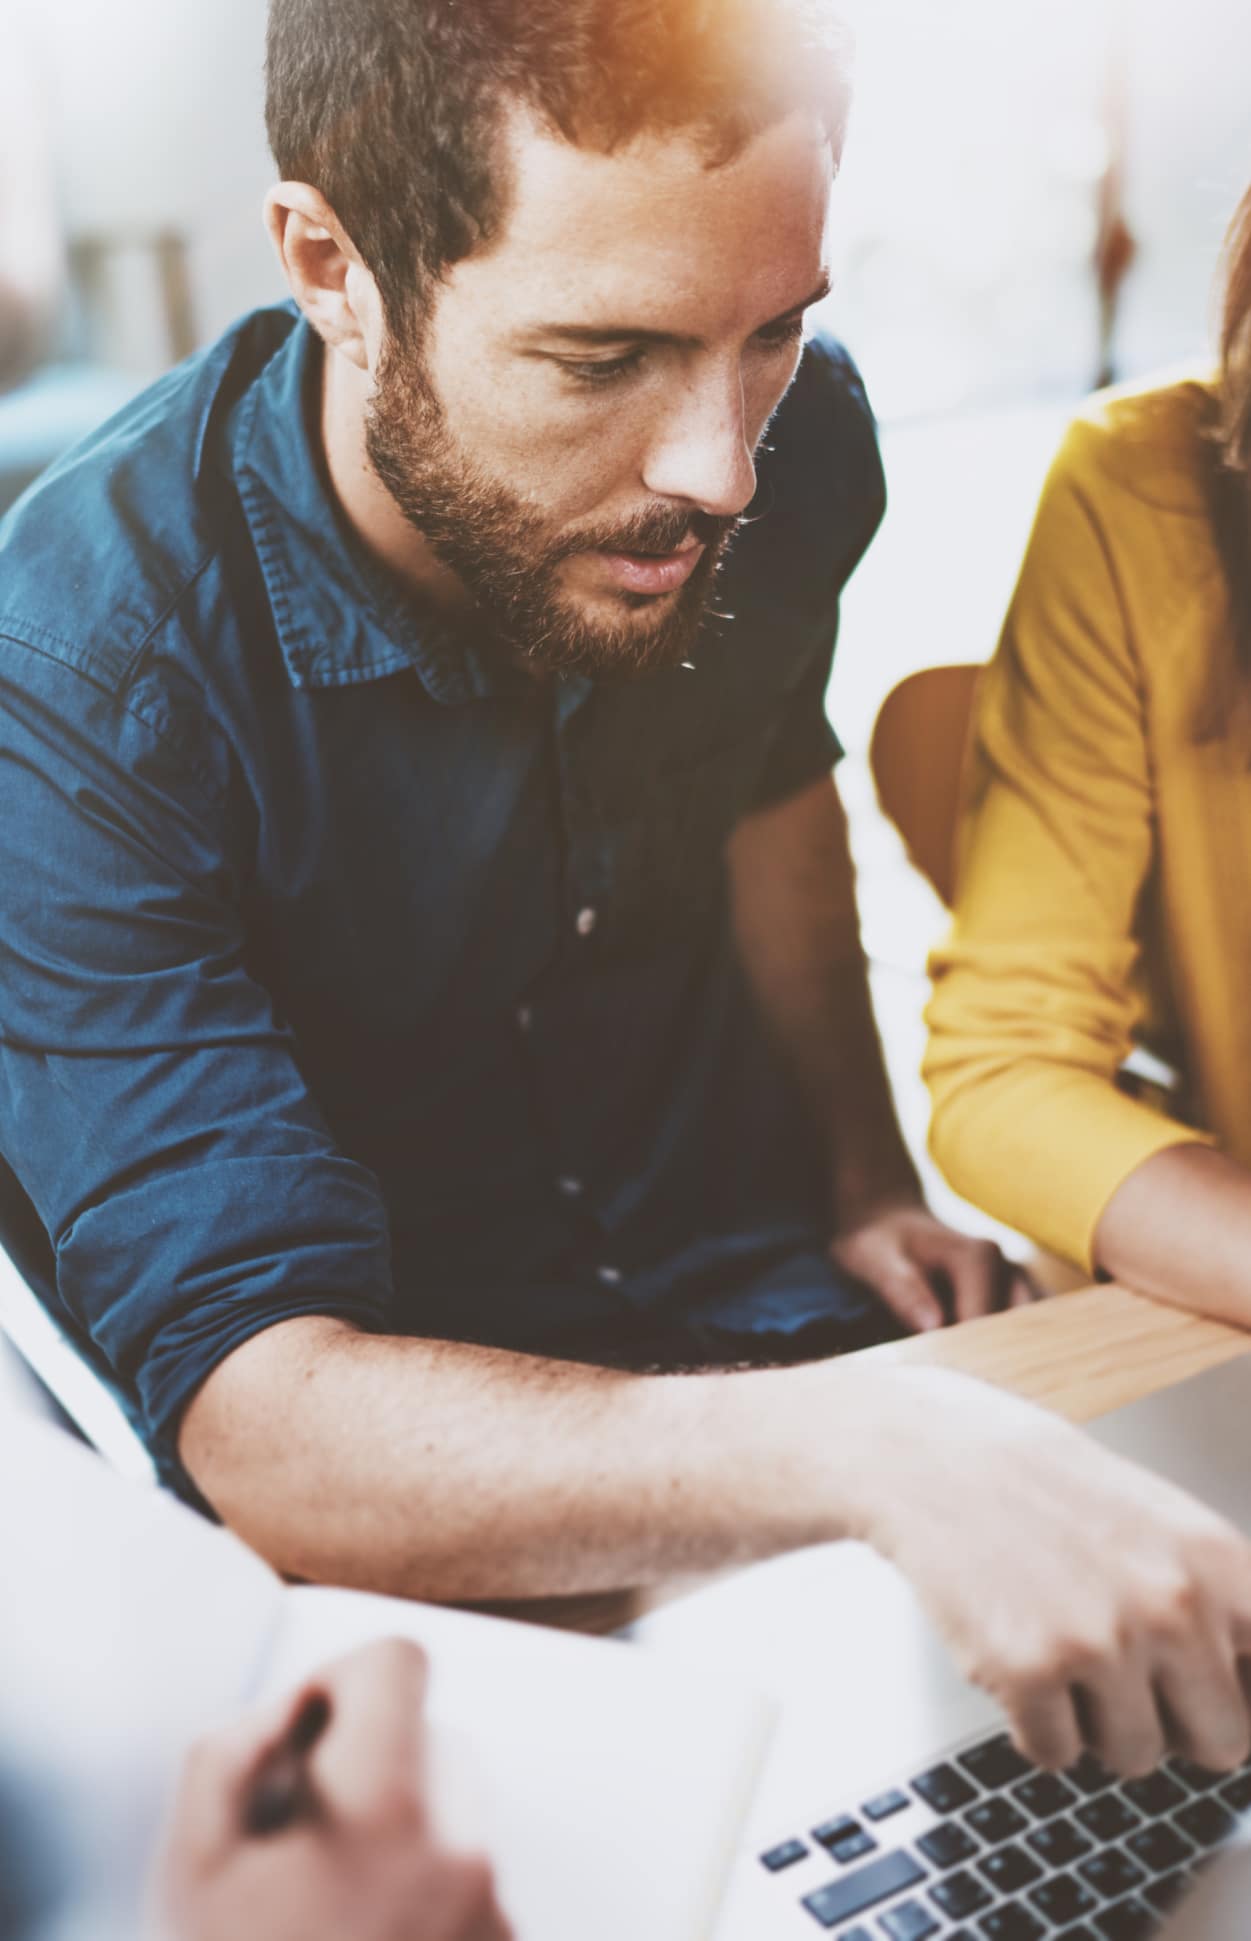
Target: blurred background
[[1033, 200]]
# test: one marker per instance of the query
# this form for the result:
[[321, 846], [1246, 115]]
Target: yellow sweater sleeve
[[1033, 1009]]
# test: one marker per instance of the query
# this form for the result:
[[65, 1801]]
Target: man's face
[[573, 427]]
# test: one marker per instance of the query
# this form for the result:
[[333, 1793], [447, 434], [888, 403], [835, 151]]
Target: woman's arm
[[1033, 1008]]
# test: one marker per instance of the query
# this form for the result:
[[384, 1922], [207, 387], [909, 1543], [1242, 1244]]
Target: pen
[[282, 1791]]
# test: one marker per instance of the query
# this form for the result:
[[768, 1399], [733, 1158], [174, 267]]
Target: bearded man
[[436, 1047]]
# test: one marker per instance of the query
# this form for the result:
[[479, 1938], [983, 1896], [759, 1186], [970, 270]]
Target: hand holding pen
[[314, 1823]]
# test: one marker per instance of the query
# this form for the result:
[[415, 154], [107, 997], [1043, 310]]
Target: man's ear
[[323, 269]]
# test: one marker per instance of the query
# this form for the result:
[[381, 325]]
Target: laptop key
[[1159, 1849], [1200, 1779], [784, 1855], [995, 1763], [1129, 1921], [1237, 1794], [1009, 1869], [1063, 1898], [1010, 1924], [1111, 1874], [1044, 1795], [851, 1894], [994, 1820], [1155, 1794], [1205, 1821], [1059, 1843], [1164, 1894], [943, 1788], [1090, 1775], [885, 1804], [948, 1845], [960, 1894], [854, 1847], [830, 1832], [1107, 1818], [909, 1922]]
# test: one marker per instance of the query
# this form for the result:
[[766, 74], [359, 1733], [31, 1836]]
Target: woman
[[1105, 877]]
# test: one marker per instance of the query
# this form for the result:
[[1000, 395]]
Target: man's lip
[[654, 572]]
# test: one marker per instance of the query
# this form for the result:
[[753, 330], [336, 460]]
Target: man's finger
[[1023, 1291], [974, 1269], [1204, 1709], [370, 1762], [909, 1296], [1045, 1728], [1121, 1722]]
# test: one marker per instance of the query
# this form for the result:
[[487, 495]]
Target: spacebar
[[868, 1885]]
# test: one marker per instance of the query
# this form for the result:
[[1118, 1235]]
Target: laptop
[[892, 1806]]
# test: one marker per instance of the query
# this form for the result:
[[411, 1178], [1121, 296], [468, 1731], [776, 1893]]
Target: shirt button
[[525, 1017], [571, 1188], [609, 1276], [586, 921]]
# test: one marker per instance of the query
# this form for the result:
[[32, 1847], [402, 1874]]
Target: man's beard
[[506, 555]]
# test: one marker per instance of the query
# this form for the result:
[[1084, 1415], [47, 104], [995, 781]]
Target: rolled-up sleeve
[[151, 1099], [804, 746]]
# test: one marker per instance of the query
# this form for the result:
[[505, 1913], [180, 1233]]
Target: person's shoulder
[[824, 432], [821, 491], [1150, 443], [106, 544]]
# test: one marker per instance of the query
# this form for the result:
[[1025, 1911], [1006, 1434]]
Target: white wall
[[962, 227], [158, 107]]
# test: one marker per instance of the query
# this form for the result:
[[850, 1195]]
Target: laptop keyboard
[[984, 1847]]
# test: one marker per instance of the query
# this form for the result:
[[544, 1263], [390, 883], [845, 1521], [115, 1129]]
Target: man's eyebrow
[[631, 333]]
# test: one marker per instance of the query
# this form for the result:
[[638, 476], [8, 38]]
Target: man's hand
[[927, 1273], [1103, 1608], [360, 1861]]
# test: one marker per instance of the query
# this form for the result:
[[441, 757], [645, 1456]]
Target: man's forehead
[[649, 225]]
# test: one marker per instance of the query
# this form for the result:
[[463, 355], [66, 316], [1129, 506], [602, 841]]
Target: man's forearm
[[798, 935], [458, 1473], [1180, 1229]]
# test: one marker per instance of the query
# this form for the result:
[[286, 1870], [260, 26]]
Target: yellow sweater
[[1105, 852]]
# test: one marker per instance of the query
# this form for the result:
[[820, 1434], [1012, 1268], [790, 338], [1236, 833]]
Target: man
[[426, 907]]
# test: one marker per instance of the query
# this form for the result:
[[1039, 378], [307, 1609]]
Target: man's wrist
[[861, 1194], [808, 1447]]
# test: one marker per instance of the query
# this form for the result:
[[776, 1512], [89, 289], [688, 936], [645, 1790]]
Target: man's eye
[[782, 336], [604, 370]]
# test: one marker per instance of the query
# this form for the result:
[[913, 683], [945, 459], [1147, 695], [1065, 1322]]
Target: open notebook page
[[608, 1783]]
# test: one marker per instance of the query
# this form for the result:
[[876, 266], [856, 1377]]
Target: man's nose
[[702, 452]]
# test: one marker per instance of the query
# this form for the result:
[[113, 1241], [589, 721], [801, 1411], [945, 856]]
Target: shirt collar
[[339, 619]]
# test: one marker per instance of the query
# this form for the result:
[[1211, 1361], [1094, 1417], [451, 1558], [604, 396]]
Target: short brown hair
[[393, 109]]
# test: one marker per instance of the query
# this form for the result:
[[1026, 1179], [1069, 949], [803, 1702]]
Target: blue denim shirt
[[343, 969]]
